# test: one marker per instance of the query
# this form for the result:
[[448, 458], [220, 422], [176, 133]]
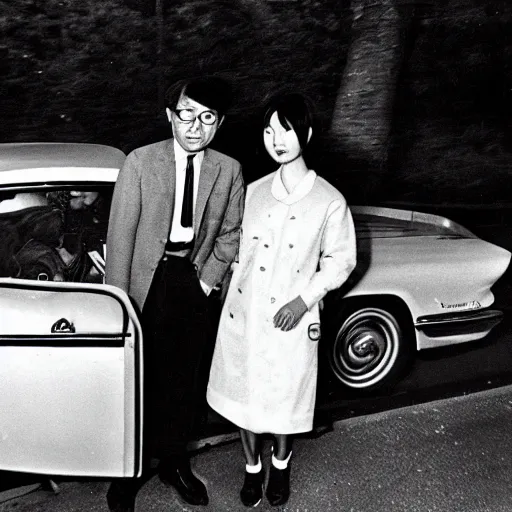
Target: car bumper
[[460, 327]]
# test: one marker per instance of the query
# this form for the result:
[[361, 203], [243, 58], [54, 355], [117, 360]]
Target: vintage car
[[70, 346]]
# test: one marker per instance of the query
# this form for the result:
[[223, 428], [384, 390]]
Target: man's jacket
[[141, 216]]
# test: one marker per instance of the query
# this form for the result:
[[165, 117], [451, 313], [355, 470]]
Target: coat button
[[291, 246], [231, 315], [262, 269], [272, 300], [239, 290], [266, 245]]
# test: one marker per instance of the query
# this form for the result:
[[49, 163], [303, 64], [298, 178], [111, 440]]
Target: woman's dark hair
[[294, 111]]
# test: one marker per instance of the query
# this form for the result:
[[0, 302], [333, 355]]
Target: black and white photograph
[[255, 254]]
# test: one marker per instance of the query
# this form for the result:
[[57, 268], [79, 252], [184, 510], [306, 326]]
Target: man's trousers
[[178, 343]]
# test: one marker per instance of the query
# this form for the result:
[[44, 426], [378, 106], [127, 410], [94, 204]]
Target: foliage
[[77, 70], [88, 71], [83, 70], [461, 164], [452, 123]]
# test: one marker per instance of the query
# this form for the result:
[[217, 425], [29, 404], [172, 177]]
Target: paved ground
[[453, 455]]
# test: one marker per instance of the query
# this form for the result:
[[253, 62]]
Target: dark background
[[89, 71], [94, 71]]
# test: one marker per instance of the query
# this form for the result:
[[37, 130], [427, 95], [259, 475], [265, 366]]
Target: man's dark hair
[[294, 111], [211, 91]]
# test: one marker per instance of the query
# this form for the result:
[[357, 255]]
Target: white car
[[421, 281], [71, 368]]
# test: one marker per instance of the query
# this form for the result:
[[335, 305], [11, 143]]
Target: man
[[173, 233]]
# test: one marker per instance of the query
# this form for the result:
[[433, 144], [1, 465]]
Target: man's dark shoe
[[252, 490], [278, 488], [179, 475], [121, 496]]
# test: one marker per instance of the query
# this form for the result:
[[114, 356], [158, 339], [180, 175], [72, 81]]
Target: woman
[[297, 243]]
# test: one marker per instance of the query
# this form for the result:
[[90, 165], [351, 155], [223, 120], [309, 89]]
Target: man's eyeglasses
[[186, 115]]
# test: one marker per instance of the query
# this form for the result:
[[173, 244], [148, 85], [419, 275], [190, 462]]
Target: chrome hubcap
[[366, 347]]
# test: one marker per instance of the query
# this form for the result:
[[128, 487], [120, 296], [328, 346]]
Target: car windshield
[[55, 234]]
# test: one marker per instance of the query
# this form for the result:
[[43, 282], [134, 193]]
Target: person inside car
[[31, 233]]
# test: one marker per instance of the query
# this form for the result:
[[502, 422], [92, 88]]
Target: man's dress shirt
[[178, 233]]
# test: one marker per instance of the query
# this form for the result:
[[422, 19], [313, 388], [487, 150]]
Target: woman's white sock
[[254, 469], [281, 464]]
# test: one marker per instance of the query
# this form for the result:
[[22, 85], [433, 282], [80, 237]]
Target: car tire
[[369, 350]]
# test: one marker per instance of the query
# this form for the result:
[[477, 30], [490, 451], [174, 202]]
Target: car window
[[56, 235]]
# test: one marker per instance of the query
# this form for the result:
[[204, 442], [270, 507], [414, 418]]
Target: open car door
[[70, 380]]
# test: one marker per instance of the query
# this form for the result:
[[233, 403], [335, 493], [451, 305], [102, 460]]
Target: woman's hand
[[290, 314]]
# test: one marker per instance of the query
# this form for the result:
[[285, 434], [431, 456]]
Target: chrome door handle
[[63, 326]]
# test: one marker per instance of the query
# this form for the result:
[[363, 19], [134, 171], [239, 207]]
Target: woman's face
[[281, 143]]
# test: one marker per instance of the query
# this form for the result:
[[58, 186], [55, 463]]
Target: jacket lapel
[[166, 176], [209, 172]]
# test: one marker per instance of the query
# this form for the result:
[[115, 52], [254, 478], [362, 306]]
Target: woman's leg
[[278, 489], [252, 490], [282, 446], [251, 444]]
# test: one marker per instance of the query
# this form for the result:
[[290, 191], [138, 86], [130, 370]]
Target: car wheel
[[369, 349]]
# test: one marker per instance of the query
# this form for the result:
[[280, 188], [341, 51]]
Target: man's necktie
[[187, 210]]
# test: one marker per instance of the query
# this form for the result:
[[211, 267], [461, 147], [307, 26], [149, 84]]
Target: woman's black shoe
[[180, 476], [252, 490], [278, 488]]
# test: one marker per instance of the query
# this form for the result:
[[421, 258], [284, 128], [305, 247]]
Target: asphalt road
[[453, 455]]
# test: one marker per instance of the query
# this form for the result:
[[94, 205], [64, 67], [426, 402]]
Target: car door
[[70, 379]]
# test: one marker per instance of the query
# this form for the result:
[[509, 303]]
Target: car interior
[[54, 234]]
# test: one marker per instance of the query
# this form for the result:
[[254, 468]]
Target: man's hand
[[290, 314]]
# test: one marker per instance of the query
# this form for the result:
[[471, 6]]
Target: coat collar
[[299, 192]]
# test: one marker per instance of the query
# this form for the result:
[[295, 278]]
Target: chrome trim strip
[[459, 316], [66, 340]]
